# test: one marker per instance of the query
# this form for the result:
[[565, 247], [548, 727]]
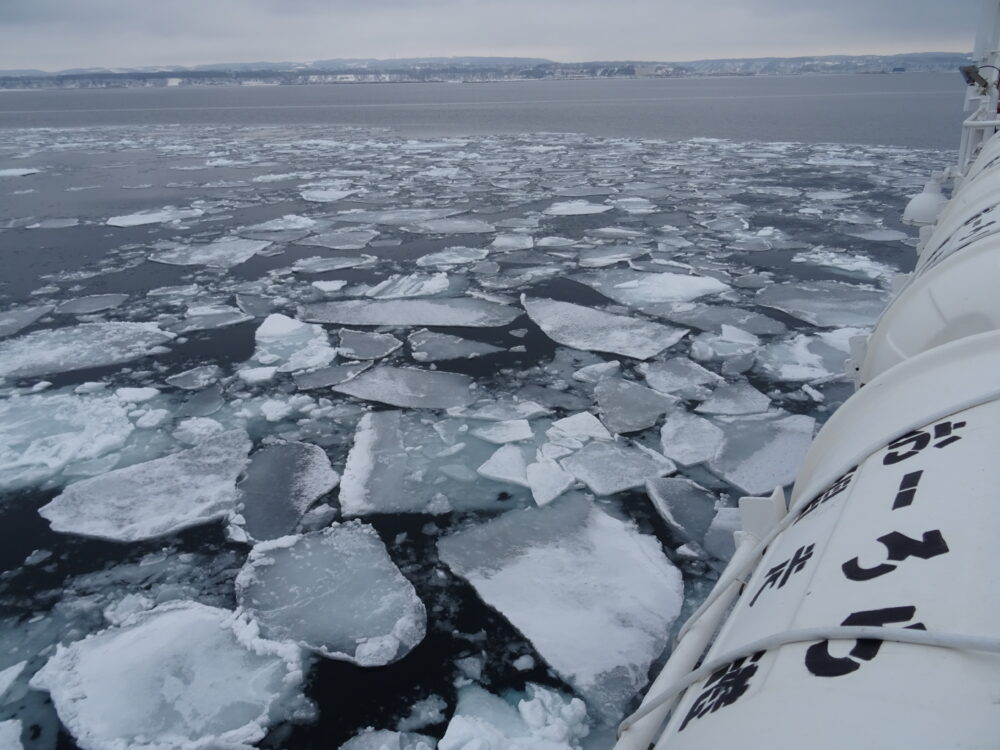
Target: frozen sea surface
[[522, 380]]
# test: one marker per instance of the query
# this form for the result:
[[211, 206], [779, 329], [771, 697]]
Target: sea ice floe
[[452, 256], [576, 208], [41, 435], [547, 480], [734, 399], [804, 357], [827, 304], [400, 286], [324, 377], [196, 378], [12, 321], [689, 439], [850, 264], [79, 347], [224, 253], [880, 235], [582, 426], [410, 387], [336, 592], [427, 346], [460, 312], [599, 257], [507, 243], [639, 290], [498, 433], [18, 172], [161, 216], [761, 454], [609, 467], [539, 719], [629, 407], [460, 225], [182, 675], [500, 410], [10, 730], [318, 264], [91, 304], [383, 739], [679, 376], [291, 345], [282, 481], [687, 508], [366, 344], [595, 597], [397, 217], [156, 497], [207, 318], [341, 239], [595, 330], [326, 195]]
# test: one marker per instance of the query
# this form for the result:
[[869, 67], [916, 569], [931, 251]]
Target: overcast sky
[[59, 34]]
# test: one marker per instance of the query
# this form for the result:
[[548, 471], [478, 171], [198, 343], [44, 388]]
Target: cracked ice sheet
[[308, 589], [79, 347], [826, 304], [410, 387], [156, 497], [459, 312], [42, 435], [804, 357], [594, 330], [601, 597], [608, 468], [764, 453], [224, 253], [182, 675]]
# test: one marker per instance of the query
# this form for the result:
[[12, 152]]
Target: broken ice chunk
[[162, 216], [461, 225], [601, 597], [326, 195], [688, 439], [336, 592], [42, 435], [808, 357], [629, 407], [461, 312], [410, 387], [10, 730], [324, 265], [827, 304], [91, 304], [453, 256], [762, 454], [582, 426], [290, 345], [600, 257], [687, 508], [719, 539], [396, 217], [732, 342], [734, 399], [498, 433], [12, 321], [175, 676], [547, 480], [382, 739], [880, 235], [196, 378], [638, 289], [507, 464], [576, 208], [428, 346], [224, 253], [597, 373], [543, 719], [507, 243], [501, 410], [282, 481], [679, 376], [409, 285], [208, 317], [79, 347], [375, 467], [341, 239], [157, 497], [366, 345], [608, 468], [327, 376], [594, 330]]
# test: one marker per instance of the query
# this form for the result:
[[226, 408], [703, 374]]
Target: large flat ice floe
[[644, 289], [12, 321], [827, 304], [595, 330], [45, 434], [410, 387], [336, 592], [759, 455], [460, 312], [154, 216], [156, 497], [289, 345], [224, 253], [182, 676], [79, 347], [595, 597]]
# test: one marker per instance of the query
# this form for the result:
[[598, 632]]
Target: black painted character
[[724, 687]]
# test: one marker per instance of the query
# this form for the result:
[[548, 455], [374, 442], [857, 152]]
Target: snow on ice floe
[[10, 733], [290, 345], [595, 330], [12, 321], [182, 675], [461, 312], [639, 290], [850, 264], [410, 387], [452, 256], [409, 285], [576, 208], [427, 346], [196, 378], [680, 376], [45, 434], [224, 253], [880, 235], [366, 345], [79, 347], [630, 407], [336, 592], [383, 739], [735, 399], [761, 454], [282, 482], [161, 216], [601, 597], [610, 467], [689, 439], [827, 304], [803, 357], [157, 497], [538, 719]]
